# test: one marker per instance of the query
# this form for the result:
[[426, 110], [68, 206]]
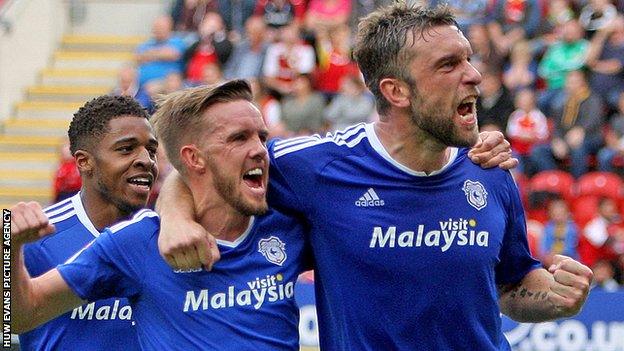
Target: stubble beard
[[226, 188], [436, 122], [124, 207]]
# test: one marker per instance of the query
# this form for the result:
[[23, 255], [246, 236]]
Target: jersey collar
[[378, 147]]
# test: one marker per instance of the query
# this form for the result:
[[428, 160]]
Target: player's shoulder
[[317, 148], [62, 214], [493, 177], [144, 221]]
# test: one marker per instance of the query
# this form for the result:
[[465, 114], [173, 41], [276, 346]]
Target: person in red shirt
[[335, 61], [67, 180]]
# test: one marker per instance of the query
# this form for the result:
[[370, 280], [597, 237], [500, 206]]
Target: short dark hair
[[90, 122], [381, 49], [178, 119]]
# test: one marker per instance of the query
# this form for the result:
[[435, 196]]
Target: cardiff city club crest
[[273, 249], [475, 194]]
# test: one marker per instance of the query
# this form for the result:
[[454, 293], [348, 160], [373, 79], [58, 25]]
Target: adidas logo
[[369, 199]]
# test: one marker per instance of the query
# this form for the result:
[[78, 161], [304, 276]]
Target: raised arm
[[544, 295], [183, 242], [34, 301]]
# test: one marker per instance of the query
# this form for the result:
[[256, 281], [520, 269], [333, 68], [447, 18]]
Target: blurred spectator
[[302, 112], [558, 12], [212, 74], [605, 232], [128, 85], [67, 181], [161, 54], [172, 83], [562, 57], [323, 15], [514, 20], [352, 105], [484, 51], [270, 108], [521, 72], [248, 55], [560, 235], [604, 276], [596, 15], [577, 131], [213, 46], [495, 103], [334, 61], [279, 13], [188, 14], [527, 127], [606, 61], [235, 14], [286, 59], [466, 13], [614, 140]]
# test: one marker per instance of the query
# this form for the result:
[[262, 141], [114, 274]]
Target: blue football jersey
[[99, 325], [245, 303], [404, 260]]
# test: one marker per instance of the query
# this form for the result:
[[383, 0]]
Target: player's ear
[[84, 162], [193, 158], [395, 91]]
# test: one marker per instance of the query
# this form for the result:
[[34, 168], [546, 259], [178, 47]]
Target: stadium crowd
[[553, 82]]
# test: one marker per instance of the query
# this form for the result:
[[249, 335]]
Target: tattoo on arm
[[522, 292]]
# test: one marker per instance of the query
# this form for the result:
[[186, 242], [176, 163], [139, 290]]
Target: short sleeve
[[113, 265], [282, 196], [515, 260], [36, 260]]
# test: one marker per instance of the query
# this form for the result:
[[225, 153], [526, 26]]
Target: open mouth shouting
[[255, 179], [467, 111]]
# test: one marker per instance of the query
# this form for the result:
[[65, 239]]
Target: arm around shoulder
[[182, 242]]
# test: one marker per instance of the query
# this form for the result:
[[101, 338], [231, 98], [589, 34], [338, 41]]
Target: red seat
[[584, 208], [523, 184], [604, 184], [554, 181]]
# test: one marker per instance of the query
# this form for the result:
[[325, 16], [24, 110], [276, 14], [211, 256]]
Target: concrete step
[[26, 178], [37, 126], [66, 93], [79, 77], [14, 194], [101, 42], [46, 109], [92, 59], [29, 143], [37, 161]]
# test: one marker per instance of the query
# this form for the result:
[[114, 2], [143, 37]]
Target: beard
[[226, 188], [125, 207], [438, 123]]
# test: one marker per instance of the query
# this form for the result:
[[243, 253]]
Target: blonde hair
[[179, 118]]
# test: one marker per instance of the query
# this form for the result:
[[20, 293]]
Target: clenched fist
[[570, 287], [29, 223]]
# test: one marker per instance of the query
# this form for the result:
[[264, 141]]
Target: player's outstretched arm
[[492, 150], [544, 295], [37, 300], [182, 242]]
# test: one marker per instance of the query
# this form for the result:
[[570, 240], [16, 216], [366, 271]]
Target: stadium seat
[[523, 184], [535, 230], [555, 181], [584, 208], [603, 184]]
